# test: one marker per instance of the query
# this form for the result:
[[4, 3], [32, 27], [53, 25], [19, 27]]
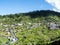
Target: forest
[[31, 28]]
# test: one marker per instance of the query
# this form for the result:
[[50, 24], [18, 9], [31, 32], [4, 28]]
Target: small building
[[12, 39], [53, 26]]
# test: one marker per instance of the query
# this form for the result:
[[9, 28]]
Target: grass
[[3, 40]]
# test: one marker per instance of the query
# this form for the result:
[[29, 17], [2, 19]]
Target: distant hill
[[42, 13], [35, 14]]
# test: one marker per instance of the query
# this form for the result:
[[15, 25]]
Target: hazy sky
[[18, 6]]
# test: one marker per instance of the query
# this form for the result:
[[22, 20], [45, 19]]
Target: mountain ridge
[[37, 13]]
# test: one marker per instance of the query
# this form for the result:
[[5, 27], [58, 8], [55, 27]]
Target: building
[[53, 26]]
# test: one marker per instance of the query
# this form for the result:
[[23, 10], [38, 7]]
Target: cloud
[[55, 4], [54, 9]]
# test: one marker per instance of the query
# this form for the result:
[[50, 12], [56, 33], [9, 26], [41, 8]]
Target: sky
[[20, 6]]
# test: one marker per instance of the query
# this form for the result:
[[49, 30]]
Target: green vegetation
[[3, 40], [31, 28]]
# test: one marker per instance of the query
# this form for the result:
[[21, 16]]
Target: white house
[[12, 39], [53, 25]]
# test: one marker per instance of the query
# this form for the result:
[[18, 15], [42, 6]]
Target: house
[[53, 26], [12, 39]]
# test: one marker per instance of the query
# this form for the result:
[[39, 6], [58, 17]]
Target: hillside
[[32, 28]]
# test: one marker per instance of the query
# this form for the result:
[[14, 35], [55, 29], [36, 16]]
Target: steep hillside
[[32, 28]]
